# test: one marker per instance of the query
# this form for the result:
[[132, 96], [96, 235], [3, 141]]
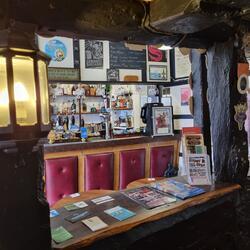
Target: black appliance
[[146, 116]]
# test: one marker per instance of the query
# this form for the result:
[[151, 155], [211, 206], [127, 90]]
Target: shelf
[[67, 114], [83, 113], [122, 108], [95, 96], [90, 113]]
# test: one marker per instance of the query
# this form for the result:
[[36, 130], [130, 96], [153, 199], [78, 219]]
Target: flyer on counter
[[94, 223], [119, 213], [198, 169], [149, 197], [177, 189]]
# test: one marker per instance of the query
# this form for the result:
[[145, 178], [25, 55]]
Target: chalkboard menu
[[122, 57]]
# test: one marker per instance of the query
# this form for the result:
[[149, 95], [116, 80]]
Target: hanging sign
[[240, 114], [59, 74]]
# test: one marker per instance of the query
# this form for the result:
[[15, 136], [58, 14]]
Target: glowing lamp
[[24, 100]]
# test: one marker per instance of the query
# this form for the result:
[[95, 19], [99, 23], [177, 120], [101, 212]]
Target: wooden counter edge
[[149, 216]]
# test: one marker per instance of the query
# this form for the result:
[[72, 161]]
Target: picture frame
[[158, 73], [162, 118], [180, 64]]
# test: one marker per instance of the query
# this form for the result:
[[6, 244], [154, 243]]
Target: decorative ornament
[[240, 114]]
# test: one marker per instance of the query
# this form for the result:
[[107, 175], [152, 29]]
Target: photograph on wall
[[158, 72], [185, 95], [112, 75], [162, 121], [93, 54], [156, 55], [59, 49]]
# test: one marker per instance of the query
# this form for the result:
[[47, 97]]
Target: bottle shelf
[[83, 113], [122, 108], [90, 113], [94, 96]]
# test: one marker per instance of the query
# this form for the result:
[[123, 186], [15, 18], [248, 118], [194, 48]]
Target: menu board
[[122, 57]]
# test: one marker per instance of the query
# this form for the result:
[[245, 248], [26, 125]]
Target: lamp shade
[[24, 99]]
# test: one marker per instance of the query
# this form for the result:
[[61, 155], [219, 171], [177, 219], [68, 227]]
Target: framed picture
[[162, 121], [158, 72], [180, 64]]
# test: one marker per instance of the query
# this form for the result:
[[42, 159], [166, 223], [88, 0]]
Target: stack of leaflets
[[75, 206], [177, 189], [119, 213], [94, 223], [60, 234], [149, 197], [102, 199], [195, 157]]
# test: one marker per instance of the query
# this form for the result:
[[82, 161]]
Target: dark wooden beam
[[230, 147]]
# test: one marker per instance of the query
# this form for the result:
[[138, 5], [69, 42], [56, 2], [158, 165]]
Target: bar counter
[[122, 235], [108, 164], [71, 146]]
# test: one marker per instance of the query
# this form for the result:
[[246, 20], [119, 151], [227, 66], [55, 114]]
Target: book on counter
[[60, 234], [149, 197], [119, 213], [177, 189], [94, 223]]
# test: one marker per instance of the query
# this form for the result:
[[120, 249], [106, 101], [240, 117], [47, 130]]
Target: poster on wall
[[112, 75], [93, 54], [162, 121], [156, 55], [158, 65], [181, 66], [59, 49], [158, 72], [185, 95]]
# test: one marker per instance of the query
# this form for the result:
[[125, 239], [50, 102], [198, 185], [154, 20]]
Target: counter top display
[[71, 146], [121, 234]]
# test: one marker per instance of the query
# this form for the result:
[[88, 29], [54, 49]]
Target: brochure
[[102, 199], [177, 189], [94, 223], [119, 213], [149, 197], [198, 169], [60, 235]]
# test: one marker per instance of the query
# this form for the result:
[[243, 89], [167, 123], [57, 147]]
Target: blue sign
[[56, 50]]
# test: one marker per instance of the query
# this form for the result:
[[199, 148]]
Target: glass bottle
[[73, 107]]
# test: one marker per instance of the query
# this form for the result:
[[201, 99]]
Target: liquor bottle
[[73, 107]]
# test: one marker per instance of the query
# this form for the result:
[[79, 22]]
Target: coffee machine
[[146, 116]]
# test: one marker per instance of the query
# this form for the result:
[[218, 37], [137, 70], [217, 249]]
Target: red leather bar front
[[61, 178], [99, 171], [132, 166]]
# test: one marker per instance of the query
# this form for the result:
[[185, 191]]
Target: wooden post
[[229, 139], [199, 85]]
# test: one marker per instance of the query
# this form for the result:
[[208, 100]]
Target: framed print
[[162, 121], [158, 72], [93, 54], [180, 66], [156, 55], [59, 49]]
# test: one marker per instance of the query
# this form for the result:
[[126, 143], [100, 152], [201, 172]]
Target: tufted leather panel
[[99, 171], [159, 158], [132, 166], [61, 178]]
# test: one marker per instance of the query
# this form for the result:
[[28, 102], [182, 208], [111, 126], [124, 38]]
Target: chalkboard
[[123, 58]]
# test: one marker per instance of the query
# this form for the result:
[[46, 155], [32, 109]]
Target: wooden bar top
[[71, 146], [82, 236]]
